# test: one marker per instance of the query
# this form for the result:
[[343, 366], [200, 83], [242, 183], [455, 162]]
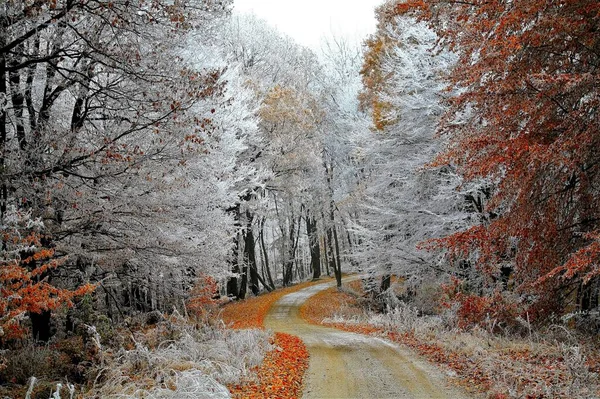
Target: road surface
[[349, 365]]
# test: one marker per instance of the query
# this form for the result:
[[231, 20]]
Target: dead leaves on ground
[[280, 375], [251, 312]]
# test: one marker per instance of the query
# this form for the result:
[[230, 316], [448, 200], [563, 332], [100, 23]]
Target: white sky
[[307, 21]]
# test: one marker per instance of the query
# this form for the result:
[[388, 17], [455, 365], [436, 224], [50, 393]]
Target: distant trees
[[290, 208]]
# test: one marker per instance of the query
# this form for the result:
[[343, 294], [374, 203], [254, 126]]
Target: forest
[[167, 166]]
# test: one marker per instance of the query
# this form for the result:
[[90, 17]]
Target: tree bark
[[3, 131], [313, 242], [265, 254], [250, 254], [232, 283]]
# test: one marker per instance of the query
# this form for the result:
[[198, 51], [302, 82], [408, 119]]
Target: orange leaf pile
[[280, 375], [282, 370]]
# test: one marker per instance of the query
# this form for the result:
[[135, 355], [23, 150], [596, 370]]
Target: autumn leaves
[[280, 375], [522, 124]]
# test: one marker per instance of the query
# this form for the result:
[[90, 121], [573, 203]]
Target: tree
[[25, 286], [404, 202], [525, 117], [102, 109]]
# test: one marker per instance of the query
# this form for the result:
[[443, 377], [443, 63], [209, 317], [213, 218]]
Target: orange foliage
[[202, 300], [24, 285], [527, 119], [374, 82], [280, 375]]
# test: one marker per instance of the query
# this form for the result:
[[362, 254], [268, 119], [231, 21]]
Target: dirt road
[[348, 365]]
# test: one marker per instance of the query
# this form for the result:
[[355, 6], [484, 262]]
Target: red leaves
[[280, 375], [24, 288], [526, 120], [202, 299]]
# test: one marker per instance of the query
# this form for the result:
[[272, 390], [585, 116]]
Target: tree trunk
[[386, 281], [40, 325], [232, 283], [313, 242], [338, 271], [330, 253], [265, 255], [331, 230], [3, 131], [288, 270], [250, 254]]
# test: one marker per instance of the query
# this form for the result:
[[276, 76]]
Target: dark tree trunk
[[250, 254], [332, 231], [313, 241], [288, 267], [386, 282], [338, 270], [40, 325], [326, 254], [3, 130], [243, 282], [232, 283], [330, 254], [18, 100], [265, 255]]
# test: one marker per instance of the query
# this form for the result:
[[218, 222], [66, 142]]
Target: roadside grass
[[498, 367], [282, 370]]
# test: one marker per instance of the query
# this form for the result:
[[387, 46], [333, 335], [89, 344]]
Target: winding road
[[349, 365]]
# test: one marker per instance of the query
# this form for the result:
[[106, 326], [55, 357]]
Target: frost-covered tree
[[122, 142], [405, 201]]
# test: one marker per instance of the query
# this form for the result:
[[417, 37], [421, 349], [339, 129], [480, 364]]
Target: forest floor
[[350, 365]]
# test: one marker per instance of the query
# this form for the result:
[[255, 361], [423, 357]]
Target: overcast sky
[[307, 21]]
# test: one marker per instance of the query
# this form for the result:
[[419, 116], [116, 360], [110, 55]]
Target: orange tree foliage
[[375, 80], [24, 282], [202, 300], [526, 119]]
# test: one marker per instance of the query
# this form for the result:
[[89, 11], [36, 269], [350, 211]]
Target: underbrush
[[215, 352], [171, 359], [190, 363], [553, 363]]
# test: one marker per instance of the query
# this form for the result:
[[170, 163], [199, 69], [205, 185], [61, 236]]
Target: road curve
[[349, 365]]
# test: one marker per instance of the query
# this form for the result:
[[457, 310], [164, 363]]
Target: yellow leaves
[[287, 106]]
